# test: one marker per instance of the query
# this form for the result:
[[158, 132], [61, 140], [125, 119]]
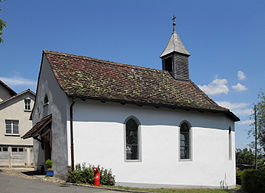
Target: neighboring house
[[15, 110], [151, 127]]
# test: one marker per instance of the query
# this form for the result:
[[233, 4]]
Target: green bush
[[253, 180], [85, 175], [48, 163], [238, 176]]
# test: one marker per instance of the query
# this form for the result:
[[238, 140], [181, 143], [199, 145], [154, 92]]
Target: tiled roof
[[38, 127], [90, 78]]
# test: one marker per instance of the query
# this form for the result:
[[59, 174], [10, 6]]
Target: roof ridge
[[10, 90], [17, 95], [103, 61]]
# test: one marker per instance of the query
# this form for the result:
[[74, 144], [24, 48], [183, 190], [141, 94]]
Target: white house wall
[[99, 139], [58, 107]]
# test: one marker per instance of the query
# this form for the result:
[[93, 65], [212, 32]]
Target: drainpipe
[[72, 138]]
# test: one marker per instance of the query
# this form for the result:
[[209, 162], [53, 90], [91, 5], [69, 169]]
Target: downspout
[[71, 132]]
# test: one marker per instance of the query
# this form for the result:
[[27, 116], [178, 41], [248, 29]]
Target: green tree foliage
[[245, 156], [261, 120], [260, 108], [2, 25]]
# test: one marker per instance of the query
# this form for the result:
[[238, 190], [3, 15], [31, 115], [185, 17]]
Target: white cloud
[[243, 111], [237, 108], [239, 87], [216, 87], [246, 122], [241, 75], [229, 105], [18, 81]]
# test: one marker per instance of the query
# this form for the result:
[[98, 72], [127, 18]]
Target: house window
[[14, 149], [132, 140], [27, 104], [184, 141], [5, 149], [12, 127], [229, 144]]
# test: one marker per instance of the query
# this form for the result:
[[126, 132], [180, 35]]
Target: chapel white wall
[[99, 138]]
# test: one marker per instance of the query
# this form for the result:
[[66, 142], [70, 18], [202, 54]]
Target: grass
[[171, 190]]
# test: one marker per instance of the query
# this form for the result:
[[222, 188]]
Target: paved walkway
[[14, 184]]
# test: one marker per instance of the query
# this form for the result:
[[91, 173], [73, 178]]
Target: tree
[[245, 156], [260, 123], [2, 25], [261, 120]]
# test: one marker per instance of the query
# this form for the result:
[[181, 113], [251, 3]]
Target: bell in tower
[[175, 57]]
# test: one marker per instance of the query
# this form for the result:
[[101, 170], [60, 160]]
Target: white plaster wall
[[14, 110], [99, 138], [58, 107]]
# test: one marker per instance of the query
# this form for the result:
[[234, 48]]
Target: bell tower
[[175, 57]]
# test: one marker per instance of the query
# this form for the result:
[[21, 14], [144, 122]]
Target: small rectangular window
[[27, 104], [12, 127], [5, 149], [229, 144], [14, 149], [0, 149], [20, 149], [168, 64]]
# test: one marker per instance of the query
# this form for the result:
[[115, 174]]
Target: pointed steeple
[[175, 57], [174, 45]]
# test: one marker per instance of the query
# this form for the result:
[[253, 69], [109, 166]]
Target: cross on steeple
[[174, 23]]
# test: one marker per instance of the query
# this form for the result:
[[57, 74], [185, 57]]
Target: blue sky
[[226, 40]]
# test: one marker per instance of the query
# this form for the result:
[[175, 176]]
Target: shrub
[[85, 175], [48, 163], [253, 180], [238, 176]]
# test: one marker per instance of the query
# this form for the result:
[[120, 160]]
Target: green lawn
[[171, 190]]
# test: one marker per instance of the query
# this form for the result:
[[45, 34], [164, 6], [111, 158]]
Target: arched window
[[184, 141], [46, 100], [132, 139]]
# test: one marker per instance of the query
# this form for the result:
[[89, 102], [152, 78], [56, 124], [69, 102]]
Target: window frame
[[12, 127], [190, 141], [27, 107], [138, 137]]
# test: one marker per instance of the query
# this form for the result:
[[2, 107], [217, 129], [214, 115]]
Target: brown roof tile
[[86, 77], [38, 127]]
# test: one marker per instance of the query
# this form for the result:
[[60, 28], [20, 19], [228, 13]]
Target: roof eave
[[182, 107]]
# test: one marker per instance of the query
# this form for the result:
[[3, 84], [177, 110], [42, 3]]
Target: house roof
[[174, 45], [90, 78], [11, 91], [38, 127], [17, 95]]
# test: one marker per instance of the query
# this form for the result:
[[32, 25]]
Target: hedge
[[253, 180]]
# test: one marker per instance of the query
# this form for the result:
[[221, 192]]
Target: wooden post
[[256, 135]]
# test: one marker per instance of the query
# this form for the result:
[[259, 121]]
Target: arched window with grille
[[132, 139], [185, 141]]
